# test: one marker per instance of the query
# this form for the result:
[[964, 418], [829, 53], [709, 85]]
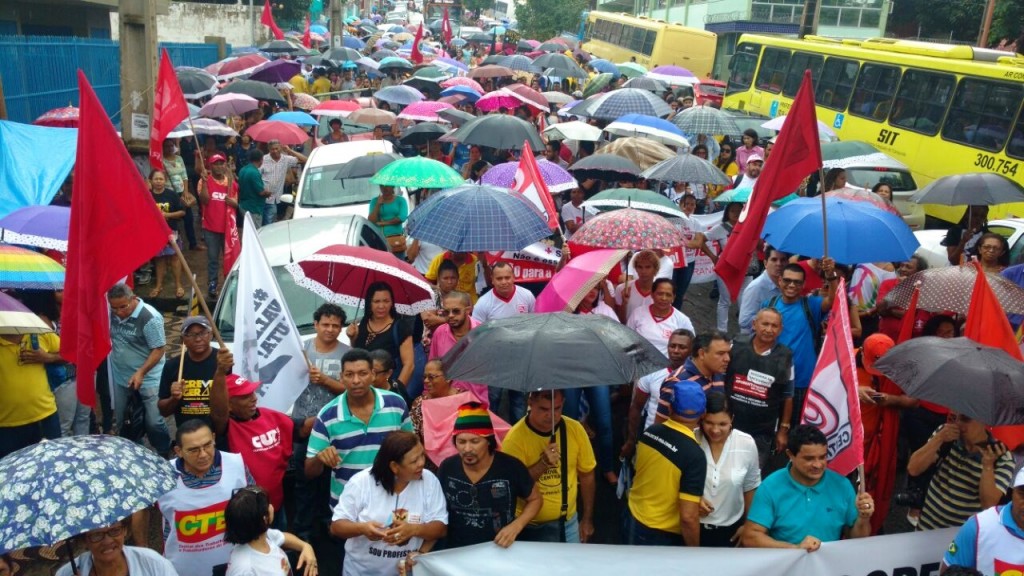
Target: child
[[258, 549]]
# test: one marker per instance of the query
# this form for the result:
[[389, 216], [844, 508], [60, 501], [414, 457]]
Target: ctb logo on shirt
[[199, 525], [1008, 569]]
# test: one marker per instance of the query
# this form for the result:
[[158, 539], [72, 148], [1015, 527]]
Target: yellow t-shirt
[[467, 273], [299, 84], [321, 86], [527, 445], [24, 388], [670, 466]]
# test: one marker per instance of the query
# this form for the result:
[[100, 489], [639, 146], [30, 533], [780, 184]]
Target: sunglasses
[[792, 281], [449, 312]]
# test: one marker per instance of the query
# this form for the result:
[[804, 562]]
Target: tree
[[291, 10], [1007, 19], [543, 19]]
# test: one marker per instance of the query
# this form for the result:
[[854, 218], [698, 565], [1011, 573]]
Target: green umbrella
[[785, 200], [431, 73], [418, 172], [734, 195], [596, 84], [633, 198], [631, 69]]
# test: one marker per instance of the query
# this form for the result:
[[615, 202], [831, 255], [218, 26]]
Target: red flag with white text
[[267, 19], [169, 109], [416, 56], [529, 182], [446, 28], [832, 404], [232, 241]]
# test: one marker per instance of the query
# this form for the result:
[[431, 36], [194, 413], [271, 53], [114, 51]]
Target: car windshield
[[712, 90], [899, 180], [320, 189]]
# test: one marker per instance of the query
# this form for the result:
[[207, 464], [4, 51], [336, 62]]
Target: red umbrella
[[529, 96], [628, 229], [287, 133], [335, 108], [340, 274], [439, 416], [239, 66], [66, 117], [499, 98]]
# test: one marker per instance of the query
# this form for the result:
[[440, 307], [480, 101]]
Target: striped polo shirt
[[357, 442], [953, 495]]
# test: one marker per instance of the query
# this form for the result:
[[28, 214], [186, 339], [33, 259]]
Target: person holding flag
[[217, 193]]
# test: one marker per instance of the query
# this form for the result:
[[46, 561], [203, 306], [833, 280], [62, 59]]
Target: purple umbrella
[[276, 71], [443, 62], [672, 75], [15, 318], [42, 226], [224, 105], [557, 178]]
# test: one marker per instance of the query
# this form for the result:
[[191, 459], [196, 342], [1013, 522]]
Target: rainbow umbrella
[[15, 318], [27, 270]]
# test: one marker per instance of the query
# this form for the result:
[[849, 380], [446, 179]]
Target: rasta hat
[[473, 418]]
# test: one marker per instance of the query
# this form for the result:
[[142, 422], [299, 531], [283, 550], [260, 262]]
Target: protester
[[706, 366], [383, 374], [764, 287], [28, 412], [252, 192], [170, 206], [188, 396], [101, 557], [389, 212], [637, 293], [749, 148], [258, 548], [457, 308], [644, 406], [657, 321], [275, 168], [991, 539], [467, 264], [382, 328], [216, 199], [435, 385]]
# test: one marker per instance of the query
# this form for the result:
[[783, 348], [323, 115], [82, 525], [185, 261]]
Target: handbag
[[133, 421], [396, 243]]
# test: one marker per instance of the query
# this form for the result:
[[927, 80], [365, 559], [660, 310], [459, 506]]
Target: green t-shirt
[[250, 184]]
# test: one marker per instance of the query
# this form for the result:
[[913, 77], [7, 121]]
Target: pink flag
[[832, 403], [529, 183]]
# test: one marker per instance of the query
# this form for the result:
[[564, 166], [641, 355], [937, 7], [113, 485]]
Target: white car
[[864, 171], [466, 31], [934, 252]]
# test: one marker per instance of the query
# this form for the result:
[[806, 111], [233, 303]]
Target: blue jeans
[[269, 213], [548, 531], [214, 252], [74, 416], [156, 427], [639, 535], [516, 401], [600, 418]]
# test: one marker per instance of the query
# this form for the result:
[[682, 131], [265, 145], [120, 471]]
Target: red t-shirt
[[265, 444], [215, 213], [891, 326], [812, 281]]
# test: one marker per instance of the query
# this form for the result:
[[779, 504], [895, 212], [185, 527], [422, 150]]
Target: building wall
[[41, 18], [193, 22]]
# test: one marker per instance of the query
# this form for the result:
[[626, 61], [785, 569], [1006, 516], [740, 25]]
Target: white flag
[[267, 343]]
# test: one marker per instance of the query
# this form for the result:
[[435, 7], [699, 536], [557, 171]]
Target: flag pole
[[181, 359], [198, 292], [824, 213]]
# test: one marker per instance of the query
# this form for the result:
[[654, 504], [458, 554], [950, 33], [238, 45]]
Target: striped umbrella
[[27, 270], [15, 318], [620, 102], [649, 84], [705, 120]]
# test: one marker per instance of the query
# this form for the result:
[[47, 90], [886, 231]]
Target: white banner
[[704, 272], [913, 554], [268, 347]]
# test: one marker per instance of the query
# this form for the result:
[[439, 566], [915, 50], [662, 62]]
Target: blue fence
[[39, 73]]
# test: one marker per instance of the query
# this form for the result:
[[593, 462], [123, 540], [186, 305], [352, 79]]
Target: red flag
[[232, 242], [529, 183], [169, 109], [446, 28], [416, 56], [267, 19], [832, 403], [909, 317], [306, 41], [796, 154], [110, 206]]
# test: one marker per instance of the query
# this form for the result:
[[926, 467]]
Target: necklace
[[371, 334]]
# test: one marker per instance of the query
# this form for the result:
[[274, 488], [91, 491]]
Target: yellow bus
[[940, 109], [621, 37]]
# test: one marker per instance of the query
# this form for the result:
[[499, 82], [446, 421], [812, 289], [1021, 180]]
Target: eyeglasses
[[379, 372], [792, 281], [446, 312], [98, 535], [208, 447], [196, 335], [726, 150]]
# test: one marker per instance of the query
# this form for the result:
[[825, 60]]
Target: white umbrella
[[574, 130], [557, 97], [824, 131], [207, 126]]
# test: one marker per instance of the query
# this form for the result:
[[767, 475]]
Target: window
[[875, 87], [921, 101], [637, 42], [649, 40], [1016, 146], [980, 111], [741, 67], [774, 63], [836, 83], [801, 61]]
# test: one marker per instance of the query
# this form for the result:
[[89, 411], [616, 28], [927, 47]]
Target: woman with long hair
[[383, 328], [749, 147], [835, 179], [726, 162], [169, 203]]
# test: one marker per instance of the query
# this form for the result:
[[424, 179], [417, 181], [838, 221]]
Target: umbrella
[[431, 73], [741, 195], [977, 189], [258, 90], [400, 95], [628, 229], [372, 116], [551, 47], [353, 42], [471, 217], [16, 318], [422, 133], [705, 120], [596, 84], [838, 151], [335, 108], [574, 130], [861, 195], [305, 102], [570, 285], [287, 134], [649, 84], [605, 167], [342, 54], [449, 65], [369, 65], [383, 53], [949, 289], [650, 127], [529, 352], [424, 111], [463, 81], [824, 130], [500, 98], [23, 269], [687, 168], [490, 71], [340, 274], [224, 105], [279, 47], [559, 65], [528, 96], [418, 172], [394, 63], [633, 198], [672, 75], [195, 82], [365, 166], [276, 71], [519, 62], [557, 97], [857, 231], [463, 92], [57, 489], [493, 59], [318, 29], [632, 70], [295, 117], [500, 131], [479, 37], [616, 103], [439, 415], [459, 42], [40, 226], [66, 117], [981, 382], [527, 45], [603, 66], [557, 178], [431, 87], [205, 126], [239, 66], [643, 152]]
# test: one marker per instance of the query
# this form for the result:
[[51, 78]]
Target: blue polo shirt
[[791, 511]]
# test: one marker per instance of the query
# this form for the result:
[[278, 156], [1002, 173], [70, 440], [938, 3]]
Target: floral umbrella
[[861, 195], [628, 229]]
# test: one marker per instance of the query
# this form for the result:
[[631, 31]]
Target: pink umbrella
[[335, 108], [569, 285], [529, 96], [424, 111], [862, 195], [305, 101], [500, 98], [287, 134], [439, 416], [66, 117], [223, 105], [463, 81], [240, 66]]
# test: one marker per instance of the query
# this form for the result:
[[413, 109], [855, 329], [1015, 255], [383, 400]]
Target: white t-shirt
[[364, 500], [247, 561], [637, 299], [491, 306], [656, 331], [719, 233], [737, 471], [575, 214], [425, 256], [651, 385]]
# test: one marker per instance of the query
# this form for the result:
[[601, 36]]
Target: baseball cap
[[240, 386], [688, 399], [755, 158], [874, 347], [195, 321], [1018, 480], [220, 158]]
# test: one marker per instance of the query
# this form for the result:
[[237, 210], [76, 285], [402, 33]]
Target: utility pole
[[986, 26], [252, 22], [138, 34], [809, 23], [337, 25]]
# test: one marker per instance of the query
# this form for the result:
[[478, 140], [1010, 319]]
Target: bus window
[[836, 83], [801, 61], [615, 34], [636, 43], [979, 113], [921, 101], [876, 85], [1016, 146], [741, 67], [649, 39], [772, 72]]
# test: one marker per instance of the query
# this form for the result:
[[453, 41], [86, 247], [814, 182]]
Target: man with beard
[[751, 173], [482, 485], [645, 395], [457, 309]]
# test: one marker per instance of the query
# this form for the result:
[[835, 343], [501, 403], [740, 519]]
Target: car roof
[[291, 240], [346, 151]]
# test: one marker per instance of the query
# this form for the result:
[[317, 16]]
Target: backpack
[[815, 326]]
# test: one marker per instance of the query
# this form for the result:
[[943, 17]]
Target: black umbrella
[[493, 59], [480, 37], [428, 86], [560, 65], [422, 133], [552, 47], [455, 116], [500, 131], [279, 47], [343, 54], [318, 61], [607, 167], [195, 82], [524, 46], [365, 166], [984, 383], [258, 90], [978, 189], [384, 53]]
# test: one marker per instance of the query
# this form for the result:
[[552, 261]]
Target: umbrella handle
[[824, 213]]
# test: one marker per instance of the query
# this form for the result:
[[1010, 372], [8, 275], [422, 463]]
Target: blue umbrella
[[519, 62], [297, 118], [348, 65], [43, 226], [459, 42], [464, 91], [318, 29], [396, 29], [604, 66], [61, 488], [472, 217], [401, 95], [857, 231], [353, 42], [650, 127], [397, 62]]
